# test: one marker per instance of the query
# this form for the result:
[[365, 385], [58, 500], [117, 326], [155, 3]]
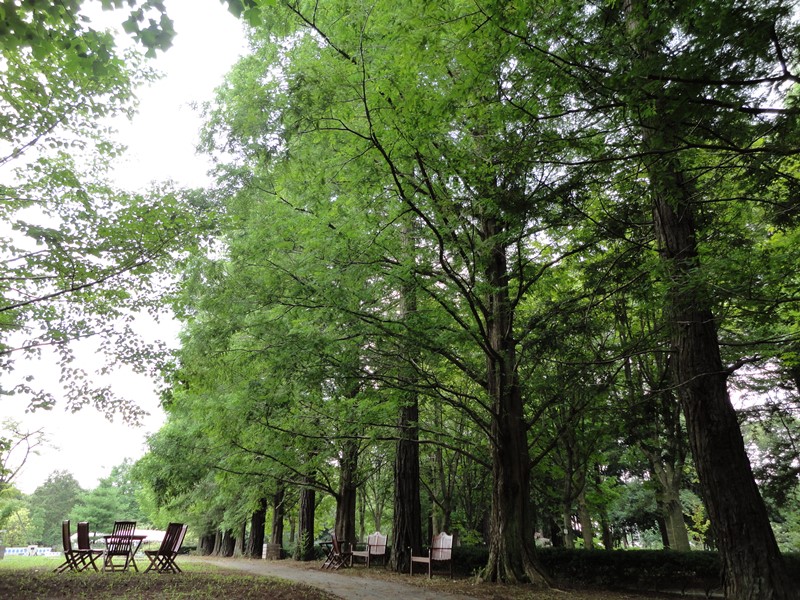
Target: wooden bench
[[376, 547], [441, 550]]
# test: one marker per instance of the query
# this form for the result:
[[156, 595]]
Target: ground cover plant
[[32, 578]]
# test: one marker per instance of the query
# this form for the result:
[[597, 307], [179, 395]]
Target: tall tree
[[50, 504], [674, 86]]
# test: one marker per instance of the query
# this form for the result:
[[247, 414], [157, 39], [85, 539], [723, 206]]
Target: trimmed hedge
[[639, 569]]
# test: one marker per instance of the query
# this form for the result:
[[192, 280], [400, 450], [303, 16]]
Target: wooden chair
[[70, 557], [376, 547], [88, 555], [337, 557], [163, 559], [441, 550], [120, 543]]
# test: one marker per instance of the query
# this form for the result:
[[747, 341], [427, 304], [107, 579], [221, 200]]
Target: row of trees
[[485, 264]]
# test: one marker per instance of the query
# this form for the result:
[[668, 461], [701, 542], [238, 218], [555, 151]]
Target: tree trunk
[[227, 543], [239, 540], [255, 543], [669, 482], [512, 556], [206, 544], [566, 523], [218, 543], [361, 512], [407, 514], [345, 525], [608, 539], [276, 537], [305, 540], [752, 563], [585, 517]]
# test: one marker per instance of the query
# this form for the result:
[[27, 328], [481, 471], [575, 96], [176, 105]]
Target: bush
[[640, 569]]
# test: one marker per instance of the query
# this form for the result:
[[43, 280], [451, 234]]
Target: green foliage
[[115, 498], [14, 517], [78, 255], [16, 448], [50, 504], [47, 28], [492, 172]]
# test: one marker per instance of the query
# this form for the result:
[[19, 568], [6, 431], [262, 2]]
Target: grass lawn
[[32, 578]]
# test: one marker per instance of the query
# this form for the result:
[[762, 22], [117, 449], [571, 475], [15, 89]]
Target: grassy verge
[[32, 578]]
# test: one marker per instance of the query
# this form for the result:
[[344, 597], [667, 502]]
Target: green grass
[[32, 578]]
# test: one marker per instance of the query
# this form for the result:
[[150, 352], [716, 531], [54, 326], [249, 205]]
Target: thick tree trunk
[[407, 514], [240, 540], [566, 526], [227, 543], [753, 566], [585, 517], [608, 539], [218, 543], [512, 556], [276, 536], [669, 479], [345, 525], [305, 539], [258, 520], [407, 518], [206, 544]]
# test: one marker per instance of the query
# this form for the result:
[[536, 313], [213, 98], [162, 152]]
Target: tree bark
[[276, 537], [752, 563], [407, 517], [407, 514], [206, 544], [258, 520], [240, 540], [227, 542], [305, 539], [512, 556], [345, 525], [585, 517]]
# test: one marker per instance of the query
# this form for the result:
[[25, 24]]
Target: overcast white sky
[[161, 142]]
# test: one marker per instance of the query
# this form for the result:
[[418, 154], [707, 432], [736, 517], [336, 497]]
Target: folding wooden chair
[[70, 558], [337, 557], [120, 543], [87, 554], [163, 559]]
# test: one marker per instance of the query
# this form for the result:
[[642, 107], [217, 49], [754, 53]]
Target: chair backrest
[[179, 539], [335, 544], [170, 538], [377, 543], [83, 536], [442, 546], [124, 528], [65, 536], [120, 540]]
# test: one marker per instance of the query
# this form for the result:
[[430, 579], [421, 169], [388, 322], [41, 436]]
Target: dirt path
[[349, 586]]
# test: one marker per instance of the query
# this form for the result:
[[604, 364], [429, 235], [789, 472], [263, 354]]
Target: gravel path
[[344, 586]]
